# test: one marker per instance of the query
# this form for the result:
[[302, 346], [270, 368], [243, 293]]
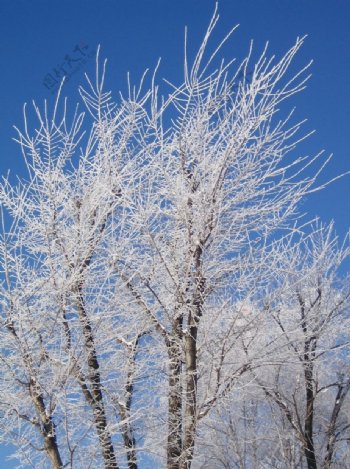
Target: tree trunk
[[127, 430], [129, 444], [103, 434], [96, 400], [191, 397], [308, 427], [342, 392], [47, 426], [194, 315], [309, 355], [174, 447], [53, 452]]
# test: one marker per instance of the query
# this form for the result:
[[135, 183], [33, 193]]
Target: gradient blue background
[[36, 35]]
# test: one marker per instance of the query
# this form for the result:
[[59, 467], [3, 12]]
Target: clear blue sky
[[36, 37]]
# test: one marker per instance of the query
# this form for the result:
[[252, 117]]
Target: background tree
[[311, 311], [293, 411]]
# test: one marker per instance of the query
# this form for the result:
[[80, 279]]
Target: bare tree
[[130, 255]]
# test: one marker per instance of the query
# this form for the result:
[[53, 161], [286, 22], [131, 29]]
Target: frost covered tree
[[294, 409], [131, 255], [310, 309]]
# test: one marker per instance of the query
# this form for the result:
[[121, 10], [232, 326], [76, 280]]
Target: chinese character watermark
[[71, 63], [243, 76]]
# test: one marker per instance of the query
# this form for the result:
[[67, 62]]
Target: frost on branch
[[153, 277]]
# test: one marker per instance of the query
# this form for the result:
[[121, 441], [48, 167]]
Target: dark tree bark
[[191, 397], [310, 342], [343, 389], [125, 409], [95, 394], [174, 445], [47, 426], [309, 416]]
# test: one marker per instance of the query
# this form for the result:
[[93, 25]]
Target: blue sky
[[36, 37]]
